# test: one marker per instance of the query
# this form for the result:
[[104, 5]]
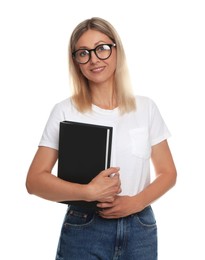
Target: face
[[95, 70]]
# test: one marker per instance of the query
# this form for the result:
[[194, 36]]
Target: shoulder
[[63, 106], [143, 99], [144, 102]]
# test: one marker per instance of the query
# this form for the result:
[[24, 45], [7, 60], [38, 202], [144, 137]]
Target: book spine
[[107, 149]]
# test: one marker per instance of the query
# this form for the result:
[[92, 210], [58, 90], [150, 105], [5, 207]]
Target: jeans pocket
[[146, 217], [77, 218]]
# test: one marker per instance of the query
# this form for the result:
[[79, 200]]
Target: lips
[[98, 69]]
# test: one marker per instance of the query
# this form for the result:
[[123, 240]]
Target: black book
[[84, 151]]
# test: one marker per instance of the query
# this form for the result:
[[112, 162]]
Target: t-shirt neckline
[[105, 111]]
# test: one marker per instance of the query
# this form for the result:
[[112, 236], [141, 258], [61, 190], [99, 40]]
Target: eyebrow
[[96, 44]]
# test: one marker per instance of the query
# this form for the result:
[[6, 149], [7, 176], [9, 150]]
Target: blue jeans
[[87, 236]]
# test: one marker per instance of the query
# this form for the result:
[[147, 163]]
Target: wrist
[[138, 202], [87, 192]]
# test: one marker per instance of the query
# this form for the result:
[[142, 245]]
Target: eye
[[103, 47], [83, 53]]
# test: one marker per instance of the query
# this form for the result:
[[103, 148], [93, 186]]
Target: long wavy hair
[[81, 92]]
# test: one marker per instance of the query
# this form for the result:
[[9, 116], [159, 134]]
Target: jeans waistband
[[81, 209], [90, 210]]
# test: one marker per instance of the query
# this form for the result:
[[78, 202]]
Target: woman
[[125, 226]]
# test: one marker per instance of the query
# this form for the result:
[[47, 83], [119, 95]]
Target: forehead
[[91, 38]]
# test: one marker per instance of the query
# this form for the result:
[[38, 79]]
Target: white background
[[165, 46]]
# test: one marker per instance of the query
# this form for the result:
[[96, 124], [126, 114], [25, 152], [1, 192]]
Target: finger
[[119, 191], [107, 213], [109, 199], [105, 205], [109, 216], [111, 171]]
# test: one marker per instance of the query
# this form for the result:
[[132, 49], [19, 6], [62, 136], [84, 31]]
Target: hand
[[122, 206], [105, 186]]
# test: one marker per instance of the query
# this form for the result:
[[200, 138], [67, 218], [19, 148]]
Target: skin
[[165, 178], [40, 181], [100, 73]]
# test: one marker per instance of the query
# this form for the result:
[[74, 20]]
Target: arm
[[42, 183], [165, 173]]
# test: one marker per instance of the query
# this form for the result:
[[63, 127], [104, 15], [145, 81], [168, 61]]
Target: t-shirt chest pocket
[[140, 142]]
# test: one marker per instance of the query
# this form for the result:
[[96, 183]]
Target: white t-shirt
[[134, 134]]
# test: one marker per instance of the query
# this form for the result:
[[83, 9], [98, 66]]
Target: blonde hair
[[81, 92]]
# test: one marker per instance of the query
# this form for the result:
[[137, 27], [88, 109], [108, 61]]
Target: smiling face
[[97, 71]]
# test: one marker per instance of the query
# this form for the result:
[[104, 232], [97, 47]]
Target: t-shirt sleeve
[[50, 136], [158, 129]]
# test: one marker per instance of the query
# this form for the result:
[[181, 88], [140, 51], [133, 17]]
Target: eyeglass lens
[[102, 51]]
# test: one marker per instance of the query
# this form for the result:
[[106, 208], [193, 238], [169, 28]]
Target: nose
[[93, 57]]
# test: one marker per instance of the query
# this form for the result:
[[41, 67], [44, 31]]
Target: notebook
[[84, 151]]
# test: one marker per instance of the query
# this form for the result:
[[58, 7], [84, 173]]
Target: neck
[[105, 104], [104, 96]]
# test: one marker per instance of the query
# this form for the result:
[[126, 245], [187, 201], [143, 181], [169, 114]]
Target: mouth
[[97, 69]]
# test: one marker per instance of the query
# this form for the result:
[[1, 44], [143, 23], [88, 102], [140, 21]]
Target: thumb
[[110, 172]]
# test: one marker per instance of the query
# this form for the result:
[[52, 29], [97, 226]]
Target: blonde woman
[[124, 227]]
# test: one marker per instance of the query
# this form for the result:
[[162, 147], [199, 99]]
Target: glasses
[[102, 51]]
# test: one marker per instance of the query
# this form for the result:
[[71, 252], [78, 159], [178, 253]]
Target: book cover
[[84, 151]]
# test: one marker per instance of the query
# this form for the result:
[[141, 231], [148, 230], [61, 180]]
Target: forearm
[[165, 172], [155, 190], [165, 178], [48, 186], [41, 182]]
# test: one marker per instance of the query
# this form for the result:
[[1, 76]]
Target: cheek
[[112, 66], [83, 70], [113, 61]]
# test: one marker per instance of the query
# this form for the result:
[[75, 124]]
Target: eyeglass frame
[[94, 50]]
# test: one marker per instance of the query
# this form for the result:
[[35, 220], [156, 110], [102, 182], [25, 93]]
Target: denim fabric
[[87, 236]]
